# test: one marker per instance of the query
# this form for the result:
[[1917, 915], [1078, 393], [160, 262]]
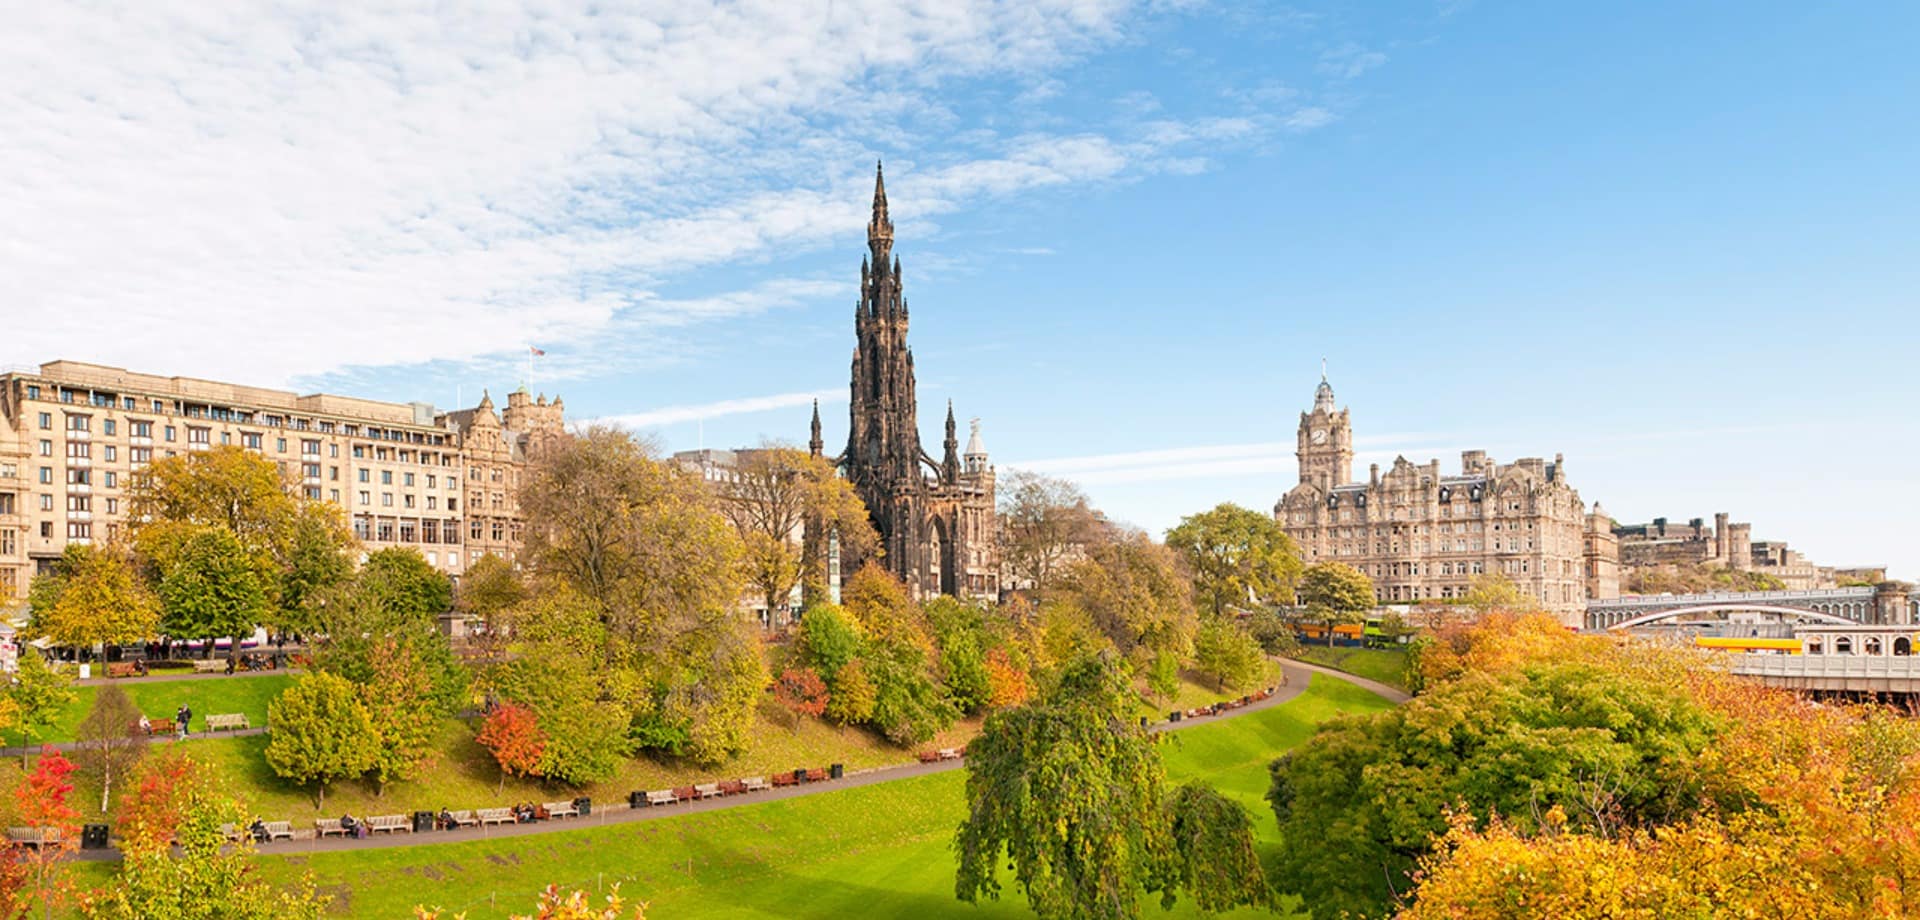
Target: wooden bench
[[661, 797], [785, 779], [816, 776], [228, 722], [122, 669], [928, 756], [686, 793], [279, 830], [561, 809], [732, 787], [389, 824], [157, 727], [463, 818], [35, 837], [495, 816], [327, 827], [754, 784], [209, 665], [229, 832]]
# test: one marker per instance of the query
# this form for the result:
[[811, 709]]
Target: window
[[79, 477], [46, 504], [386, 499], [309, 447], [280, 445], [385, 532], [199, 435], [407, 500], [6, 542], [169, 432], [450, 532], [79, 423], [474, 531], [33, 392], [386, 477], [46, 527], [113, 506], [107, 426], [46, 448], [361, 529], [113, 453], [46, 421], [79, 450], [408, 479], [366, 499], [407, 534], [79, 503], [46, 475], [140, 455], [79, 530], [313, 493], [333, 473], [333, 450], [226, 437], [140, 429], [333, 495], [310, 470], [433, 502], [251, 440], [365, 474]]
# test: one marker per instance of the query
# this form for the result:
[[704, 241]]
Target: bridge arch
[[1795, 612]]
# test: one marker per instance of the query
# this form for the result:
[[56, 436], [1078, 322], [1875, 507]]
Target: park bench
[[816, 776], [945, 754], [279, 830], [35, 837], [389, 824], [732, 787], [661, 797], [122, 669], [785, 779], [928, 756], [685, 793], [561, 809], [327, 827], [754, 784], [495, 816], [464, 818], [227, 721], [209, 665], [157, 726], [707, 790], [229, 831]]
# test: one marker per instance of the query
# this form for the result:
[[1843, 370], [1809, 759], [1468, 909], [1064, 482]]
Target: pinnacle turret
[[880, 226], [815, 445]]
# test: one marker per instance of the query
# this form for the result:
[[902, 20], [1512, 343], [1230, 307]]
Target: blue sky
[[1674, 244]]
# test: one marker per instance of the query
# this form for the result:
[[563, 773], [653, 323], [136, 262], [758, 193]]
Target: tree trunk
[[106, 783], [321, 804]]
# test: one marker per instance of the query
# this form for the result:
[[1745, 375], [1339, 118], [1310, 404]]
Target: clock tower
[[1326, 440]]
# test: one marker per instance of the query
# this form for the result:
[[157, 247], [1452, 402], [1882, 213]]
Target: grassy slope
[[872, 851], [243, 693], [1387, 666]]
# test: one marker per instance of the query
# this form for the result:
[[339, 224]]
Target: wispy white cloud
[[674, 415], [1350, 60]]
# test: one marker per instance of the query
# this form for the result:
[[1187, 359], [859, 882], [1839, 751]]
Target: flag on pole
[[535, 351]]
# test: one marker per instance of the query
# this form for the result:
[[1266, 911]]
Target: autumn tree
[[775, 495], [1133, 593], [801, 692], [41, 803], [39, 695], [644, 546], [1496, 592], [1336, 593], [1238, 556], [178, 863], [402, 712], [1229, 654], [110, 739], [1070, 793], [512, 734], [315, 556], [321, 733], [390, 606], [1045, 523], [94, 594], [554, 905]]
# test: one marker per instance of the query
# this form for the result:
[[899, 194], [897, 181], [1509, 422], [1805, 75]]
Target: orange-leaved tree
[[41, 802], [512, 734]]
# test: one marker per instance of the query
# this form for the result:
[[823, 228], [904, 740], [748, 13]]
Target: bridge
[[1889, 602]]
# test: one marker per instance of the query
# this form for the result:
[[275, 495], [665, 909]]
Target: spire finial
[[1323, 368], [880, 227]]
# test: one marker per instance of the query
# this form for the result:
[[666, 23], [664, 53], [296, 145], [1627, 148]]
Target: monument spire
[[880, 226], [815, 445]]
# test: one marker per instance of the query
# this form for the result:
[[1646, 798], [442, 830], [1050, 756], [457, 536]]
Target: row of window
[[223, 414]]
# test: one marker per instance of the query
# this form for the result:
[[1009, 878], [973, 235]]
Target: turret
[[815, 446], [950, 460], [880, 226]]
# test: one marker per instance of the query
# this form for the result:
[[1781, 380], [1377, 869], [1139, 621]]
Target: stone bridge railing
[[1847, 673]]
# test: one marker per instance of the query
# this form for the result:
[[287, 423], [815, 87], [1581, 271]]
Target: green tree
[[1498, 592], [211, 586], [1069, 791], [1336, 593], [395, 599], [1238, 557], [1228, 654], [853, 696], [490, 588], [829, 638], [39, 695], [317, 558], [908, 706], [110, 739], [94, 594], [321, 733]]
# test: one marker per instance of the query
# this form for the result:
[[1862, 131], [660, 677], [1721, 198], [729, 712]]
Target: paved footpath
[[1297, 674]]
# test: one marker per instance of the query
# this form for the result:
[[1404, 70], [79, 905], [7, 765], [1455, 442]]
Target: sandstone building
[[1421, 534], [935, 518], [72, 435], [1730, 545]]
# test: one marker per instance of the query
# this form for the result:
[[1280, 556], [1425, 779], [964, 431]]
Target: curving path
[[1297, 674]]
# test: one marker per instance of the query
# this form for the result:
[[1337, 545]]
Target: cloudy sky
[[1678, 247]]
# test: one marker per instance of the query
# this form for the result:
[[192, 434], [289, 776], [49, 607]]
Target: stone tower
[[1325, 440], [935, 519]]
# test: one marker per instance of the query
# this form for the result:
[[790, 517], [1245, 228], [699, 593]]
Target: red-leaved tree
[[41, 802], [512, 734], [801, 691]]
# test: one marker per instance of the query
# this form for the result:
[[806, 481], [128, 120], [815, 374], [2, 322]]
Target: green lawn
[[1386, 665], [873, 851], [159, 699]]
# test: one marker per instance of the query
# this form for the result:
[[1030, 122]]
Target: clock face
[[1319, 436]]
